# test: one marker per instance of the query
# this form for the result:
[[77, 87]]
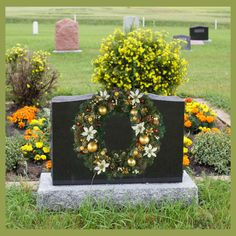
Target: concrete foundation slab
[[72, 196]]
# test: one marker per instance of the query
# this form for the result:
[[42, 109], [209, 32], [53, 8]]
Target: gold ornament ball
[[102, 110], [133, 112], [92, 147], [144, 139], [131, 162], [156, 120], [81, 148], [135, 153], [134, 119], [90, 119]]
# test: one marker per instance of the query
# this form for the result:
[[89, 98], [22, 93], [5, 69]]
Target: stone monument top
[[66, 35]]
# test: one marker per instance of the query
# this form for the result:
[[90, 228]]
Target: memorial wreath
[[147, 129]]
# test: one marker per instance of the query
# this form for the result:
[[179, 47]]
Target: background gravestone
[[130, 22], [198, 33], [184, 46], [35, 27], [69, 169], [66, 35]]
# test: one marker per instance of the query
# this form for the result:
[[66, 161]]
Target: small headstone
[[130, 22], [66, 35], [216, 24], [143, 21], [35, 27], [198, 33], [185, 46]]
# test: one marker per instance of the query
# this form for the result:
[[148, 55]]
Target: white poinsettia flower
[[104, 95], [139, 128], [101, 166], [135, 172], [150, 151], [135, 96], [89, 133]]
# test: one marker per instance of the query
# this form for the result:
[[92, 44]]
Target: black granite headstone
[[198, 33], [185, 46], [68, 169]]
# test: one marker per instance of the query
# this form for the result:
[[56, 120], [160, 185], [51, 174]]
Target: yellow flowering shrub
[[37, 140], [29, 76], [140, 59], [198, 117]]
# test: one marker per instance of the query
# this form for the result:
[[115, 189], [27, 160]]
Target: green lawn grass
[[213, 212], [209, 65]]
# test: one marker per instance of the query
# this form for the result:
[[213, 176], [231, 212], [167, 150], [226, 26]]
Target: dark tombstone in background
[[198, 33], [68, 169], [185, 46]]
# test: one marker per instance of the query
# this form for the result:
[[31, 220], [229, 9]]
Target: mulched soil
[[34, 171], [199, 170]]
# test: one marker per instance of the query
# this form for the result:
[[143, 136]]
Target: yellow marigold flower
[[215, 130], [27, 147], [37, 157], [187, 141], [43, 157], [39, 144], [34, 122], [36, 128], [46, 149], [185, 150]]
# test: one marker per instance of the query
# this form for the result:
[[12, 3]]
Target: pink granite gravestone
[[66, 35]]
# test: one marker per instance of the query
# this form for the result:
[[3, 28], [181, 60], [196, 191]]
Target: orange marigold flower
[[27, 137], [188, 99], [202, 118], [187, 123], [186, 117], [210, 119], [28, 132], [195, 110], [23, 115], [21, 125], [48, 164], [186, 160]]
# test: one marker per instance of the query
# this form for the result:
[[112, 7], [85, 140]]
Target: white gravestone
[[130, 22], [35, 27], [143, 21]]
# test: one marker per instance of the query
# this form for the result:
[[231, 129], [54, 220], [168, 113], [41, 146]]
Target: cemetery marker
[[69, 183], [130, 22], [35, 28], [67, 36]]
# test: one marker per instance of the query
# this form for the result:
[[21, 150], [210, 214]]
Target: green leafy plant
[[141, 59], [30, 78], [13, 153], [213, 149]]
